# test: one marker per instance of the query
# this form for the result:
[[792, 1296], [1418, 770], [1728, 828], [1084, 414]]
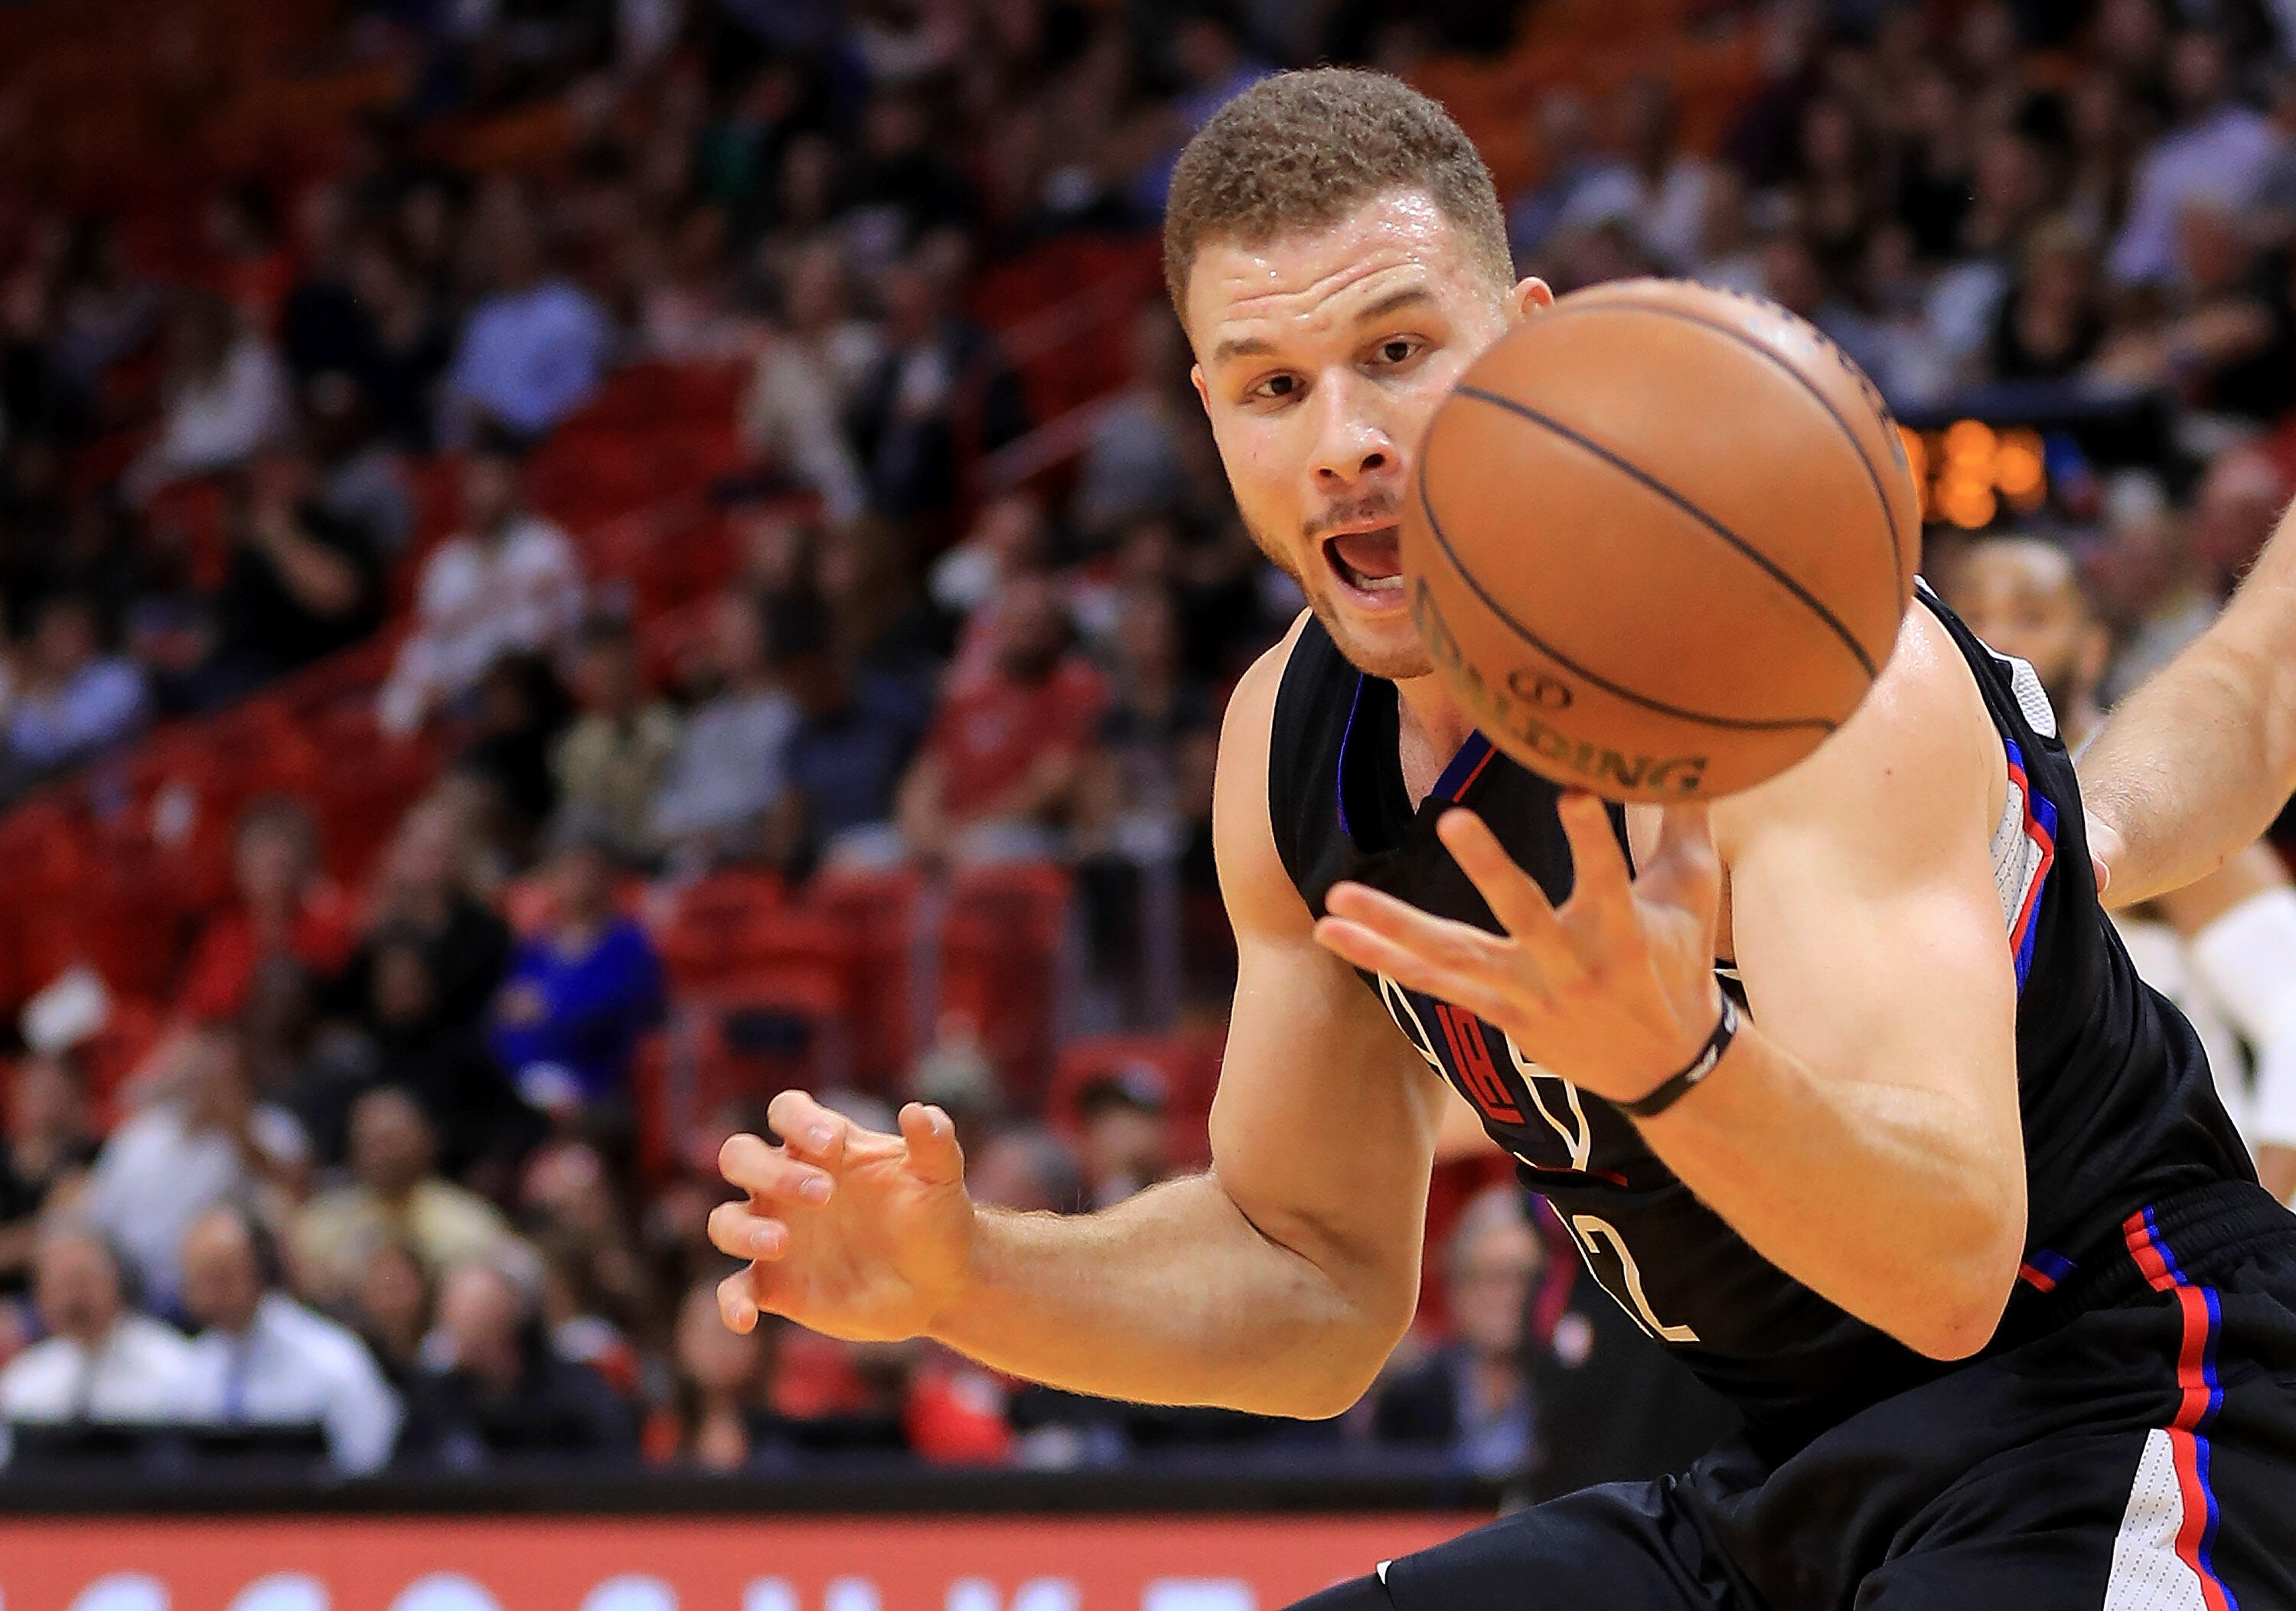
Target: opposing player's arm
[[1868, 1141], [2239, 928], [2190, 767], [1277, 1282]]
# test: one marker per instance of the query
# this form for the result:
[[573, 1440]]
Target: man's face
[[221, 1284], [2024, 598], [1321, 358], [1489, 1282], [389, 1143], [76, 1289]]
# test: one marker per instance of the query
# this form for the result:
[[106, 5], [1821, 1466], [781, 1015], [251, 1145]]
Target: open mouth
[[1371, 563]]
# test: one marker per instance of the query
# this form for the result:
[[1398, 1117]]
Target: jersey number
[[1588, 1230]]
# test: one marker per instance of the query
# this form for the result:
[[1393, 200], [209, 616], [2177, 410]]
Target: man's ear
[[1203, 393], [1529, 296]]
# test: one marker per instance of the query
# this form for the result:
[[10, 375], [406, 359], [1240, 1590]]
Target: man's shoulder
[[326, 1343]]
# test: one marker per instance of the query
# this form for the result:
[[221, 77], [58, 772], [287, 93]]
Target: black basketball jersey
[[2119, 1107]]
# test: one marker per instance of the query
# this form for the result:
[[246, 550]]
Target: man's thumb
[[934, 1155]]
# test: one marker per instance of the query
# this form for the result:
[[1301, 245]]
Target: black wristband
[[1725, 1031]]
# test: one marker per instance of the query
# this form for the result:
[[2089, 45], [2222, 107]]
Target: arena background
[[564, 565]]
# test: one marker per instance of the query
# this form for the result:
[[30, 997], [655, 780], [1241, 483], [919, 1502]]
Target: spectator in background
[[405, 347], [427, 886], [252, 269], [612, 761], [1639, 179], [999, 773], [203, 1140], [103, 1361], [809, 372], [1010, 537], [508, 581], [2217, 151], [105, 309], [1027, 1169], [2228, 344], [936, 366], [73, 700], [225, 394], [45, 1152], [579, 995], [286, 907], [727, 777], [390, 1307], [395, 1196], [497, 1391], [1214, 67], [519, 711], [1124, 1145], [1134, 466], [2240, 500], [358, 481], [856, 731], [263, 1359], [1470, 1395], [721, 1384], [2051, 322], [535, 345], [444, 1064], [1564, 138], [302, 583], [902, 185]]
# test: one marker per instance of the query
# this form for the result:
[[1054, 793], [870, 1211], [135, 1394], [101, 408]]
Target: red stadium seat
[[1004, 952]]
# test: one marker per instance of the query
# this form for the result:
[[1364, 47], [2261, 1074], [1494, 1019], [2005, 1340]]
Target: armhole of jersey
[[1285, 752]]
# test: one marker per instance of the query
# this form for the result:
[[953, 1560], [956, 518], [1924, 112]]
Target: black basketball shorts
[[2138, 1454]]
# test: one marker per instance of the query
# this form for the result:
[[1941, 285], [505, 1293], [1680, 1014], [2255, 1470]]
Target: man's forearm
[[2194, 764], [1863, 1192], [1172, 1297]]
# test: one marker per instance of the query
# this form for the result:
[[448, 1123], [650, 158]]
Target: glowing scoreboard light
[[1968, 472]]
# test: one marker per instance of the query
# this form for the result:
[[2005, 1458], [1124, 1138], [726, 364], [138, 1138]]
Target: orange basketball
[[1662, 540]]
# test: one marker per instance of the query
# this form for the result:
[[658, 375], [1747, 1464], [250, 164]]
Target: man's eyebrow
[[1242, 347], [1396, 301]]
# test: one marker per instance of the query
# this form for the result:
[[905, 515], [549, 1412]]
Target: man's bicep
[[1866, 918], [1323, 1129]]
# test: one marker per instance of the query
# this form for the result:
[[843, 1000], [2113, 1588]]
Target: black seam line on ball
[[1634, 473], [1881, 493], [1744, 724]]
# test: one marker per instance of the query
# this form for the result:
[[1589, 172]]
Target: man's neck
[[1431, 727]]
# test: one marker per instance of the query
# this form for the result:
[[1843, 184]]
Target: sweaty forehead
[[1302, 284]]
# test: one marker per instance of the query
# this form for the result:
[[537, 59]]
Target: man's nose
[[1351, 442]]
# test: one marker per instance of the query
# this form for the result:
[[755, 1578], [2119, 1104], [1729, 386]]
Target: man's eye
[[1398, 350], [1277, 386]]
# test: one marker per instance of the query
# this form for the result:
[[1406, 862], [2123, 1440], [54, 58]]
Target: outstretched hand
[[848, 1232], [1613, 991]]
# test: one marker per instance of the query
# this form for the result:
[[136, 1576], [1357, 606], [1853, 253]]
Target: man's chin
[[1390, 650]]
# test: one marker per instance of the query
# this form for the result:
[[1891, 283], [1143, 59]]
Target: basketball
[[1661, 540]]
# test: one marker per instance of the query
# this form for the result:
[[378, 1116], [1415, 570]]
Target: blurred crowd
[[374, 1185]]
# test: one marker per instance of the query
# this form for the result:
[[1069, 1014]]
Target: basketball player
[[2224, 948], [1952, 1213], [2196, 762]]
